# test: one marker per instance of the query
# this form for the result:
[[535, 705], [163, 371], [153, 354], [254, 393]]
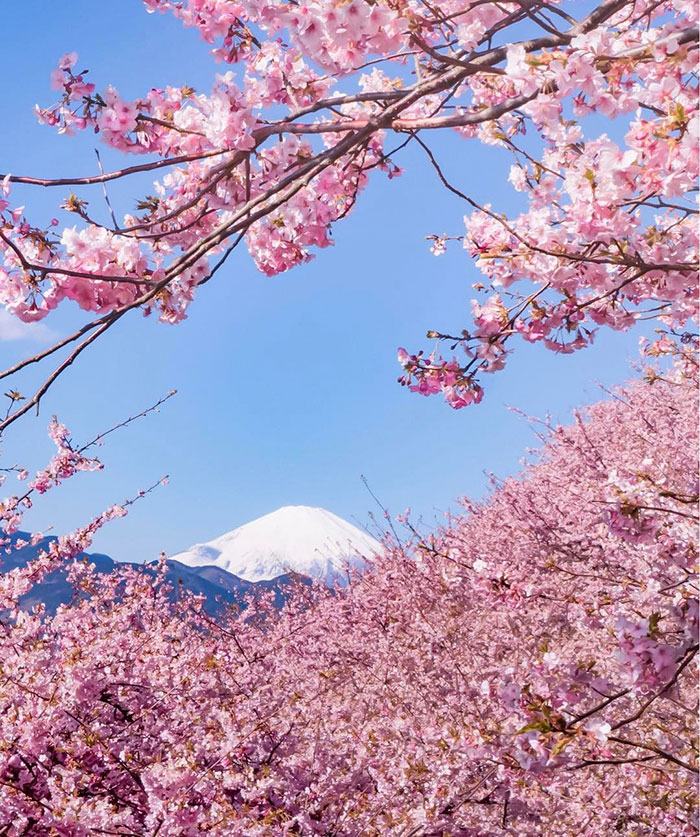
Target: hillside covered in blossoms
[[530, 669]]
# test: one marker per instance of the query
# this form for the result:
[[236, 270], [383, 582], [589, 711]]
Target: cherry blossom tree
[[69, 459], [316, 95], [528, 670]]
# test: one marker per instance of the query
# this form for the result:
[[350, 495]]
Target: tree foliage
[[596, 104], [528, 670]]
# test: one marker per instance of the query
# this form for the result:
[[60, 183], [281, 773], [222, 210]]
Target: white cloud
[[12, 328]]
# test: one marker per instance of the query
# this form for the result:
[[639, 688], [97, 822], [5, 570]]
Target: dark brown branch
[[112, 175], [652, 749], [688, 657]]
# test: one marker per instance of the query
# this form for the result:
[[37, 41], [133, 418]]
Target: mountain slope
[[299, 539], [219, 587]]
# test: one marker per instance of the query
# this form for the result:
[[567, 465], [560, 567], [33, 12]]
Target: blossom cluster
[[596, 108], [527, 670]]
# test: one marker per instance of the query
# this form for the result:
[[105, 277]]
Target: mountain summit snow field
[[301, 539]]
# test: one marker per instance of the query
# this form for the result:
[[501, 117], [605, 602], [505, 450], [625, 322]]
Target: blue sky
[[287, 386]]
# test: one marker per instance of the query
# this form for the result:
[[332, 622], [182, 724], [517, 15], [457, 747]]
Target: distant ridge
[[219, 587], [268, 553], [305, 540]]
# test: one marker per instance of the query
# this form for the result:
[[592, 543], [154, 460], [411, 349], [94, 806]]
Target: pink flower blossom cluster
[[65, 463], [527, 670], [68, 461], [596, 107], [443, 376]]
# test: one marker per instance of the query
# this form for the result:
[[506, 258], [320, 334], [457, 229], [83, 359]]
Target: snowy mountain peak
[[301, 539]]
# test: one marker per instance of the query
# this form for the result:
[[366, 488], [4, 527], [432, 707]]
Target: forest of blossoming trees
[[529, 669]]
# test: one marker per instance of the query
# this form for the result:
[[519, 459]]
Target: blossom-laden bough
[[529, 670], [69, 460], [321, 93]]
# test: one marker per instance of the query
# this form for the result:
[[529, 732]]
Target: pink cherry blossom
[[523, 670], [598, 108]]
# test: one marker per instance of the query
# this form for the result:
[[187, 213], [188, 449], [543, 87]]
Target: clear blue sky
[[287, 386]]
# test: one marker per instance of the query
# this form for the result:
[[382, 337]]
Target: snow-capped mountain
[[309, 541], [268, 554]]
